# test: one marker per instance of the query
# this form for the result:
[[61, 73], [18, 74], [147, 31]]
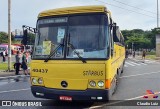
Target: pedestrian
[[27, 56], [31, 52], [134, 53], [17, 63], [127, 53], [4, 55], [143, 54], [24, 64]]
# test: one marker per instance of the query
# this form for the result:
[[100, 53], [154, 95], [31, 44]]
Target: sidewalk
[[140, 58], [4, 73], [136, 57]]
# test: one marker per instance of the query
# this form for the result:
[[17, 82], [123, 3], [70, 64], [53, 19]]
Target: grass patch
[[151, 53], [4, 66], [151, 57]]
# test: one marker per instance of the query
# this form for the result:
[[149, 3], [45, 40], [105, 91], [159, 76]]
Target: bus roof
[[74, 10]]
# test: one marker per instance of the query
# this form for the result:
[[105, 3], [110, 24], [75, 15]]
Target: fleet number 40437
[[40, 70]]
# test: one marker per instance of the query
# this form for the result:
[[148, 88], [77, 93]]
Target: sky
[[25, 12]]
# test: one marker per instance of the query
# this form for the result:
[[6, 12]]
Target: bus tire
[[115, 84], [122, 67], [109, 96]]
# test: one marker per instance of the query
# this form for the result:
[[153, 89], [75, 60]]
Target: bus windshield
[[87, 33], [2, 48]]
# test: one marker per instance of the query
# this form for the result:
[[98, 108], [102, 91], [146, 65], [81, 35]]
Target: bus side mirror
[[112, 25], [35, 30], [114, 29], [112, 50]]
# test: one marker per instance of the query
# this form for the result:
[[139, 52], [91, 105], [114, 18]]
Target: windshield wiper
[[53, 52], [76, 52]]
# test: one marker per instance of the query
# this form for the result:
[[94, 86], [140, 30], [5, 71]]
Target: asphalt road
[[136, 79]]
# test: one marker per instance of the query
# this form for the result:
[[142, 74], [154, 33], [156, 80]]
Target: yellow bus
[[79, 54]]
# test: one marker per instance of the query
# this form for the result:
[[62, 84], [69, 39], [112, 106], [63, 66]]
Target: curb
[[7, 71], [4, 73]]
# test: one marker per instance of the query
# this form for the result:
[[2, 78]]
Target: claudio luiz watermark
[[151, 99]]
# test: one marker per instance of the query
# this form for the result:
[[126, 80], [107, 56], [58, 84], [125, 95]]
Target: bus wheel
[[122, 67], [113, 87], [116, 84]]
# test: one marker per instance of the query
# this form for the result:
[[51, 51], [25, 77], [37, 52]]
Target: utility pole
[[157, 35], [157, 15], [9, 35]]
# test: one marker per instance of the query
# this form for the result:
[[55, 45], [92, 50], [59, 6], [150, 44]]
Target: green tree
[[31, 38], [140, 38], [3, 37]]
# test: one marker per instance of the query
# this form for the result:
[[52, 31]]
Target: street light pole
[[9, 35]]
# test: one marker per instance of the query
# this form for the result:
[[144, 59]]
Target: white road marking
[[134, 63], [152, 61], [143, 63], [125, 66], [129, 63], [140, 74], [149, 61], [94, 107], [14, 90]]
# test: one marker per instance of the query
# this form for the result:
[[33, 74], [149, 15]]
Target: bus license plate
[[65, 98]]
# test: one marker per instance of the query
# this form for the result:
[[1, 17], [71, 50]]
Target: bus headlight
[[92, 83], [34, 81], [100, 83], [40, 81]]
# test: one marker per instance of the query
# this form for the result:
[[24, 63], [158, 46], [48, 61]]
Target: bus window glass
[[87, 33], [87, 36], [52, 30]]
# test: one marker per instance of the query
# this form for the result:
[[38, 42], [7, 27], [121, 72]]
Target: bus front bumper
[[55, 94]]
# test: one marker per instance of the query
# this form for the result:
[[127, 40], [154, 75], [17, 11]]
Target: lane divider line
[[14, 90], [140, 74], [135, 63], [129, 63]]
